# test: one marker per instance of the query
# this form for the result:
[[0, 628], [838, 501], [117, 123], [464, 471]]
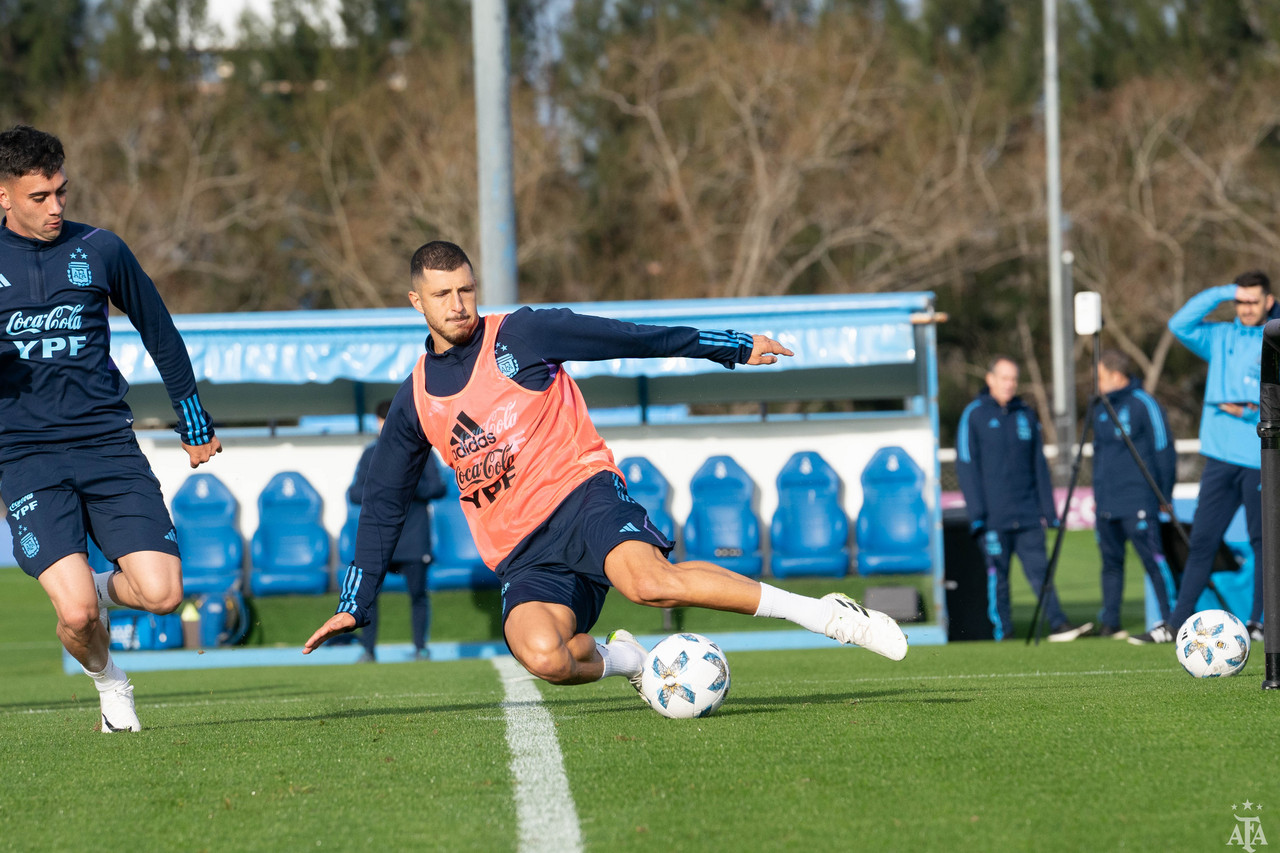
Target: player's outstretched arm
[[201, 453], [766, 350], [339, 623]]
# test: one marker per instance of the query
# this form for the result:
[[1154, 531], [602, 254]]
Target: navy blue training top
[[57, 380], [1001, 466], [1119, 488], [530, 347]]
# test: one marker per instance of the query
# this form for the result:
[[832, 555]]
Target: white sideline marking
[[91, 703], [547, 818]]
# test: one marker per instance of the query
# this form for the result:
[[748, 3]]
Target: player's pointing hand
[[766, 350]]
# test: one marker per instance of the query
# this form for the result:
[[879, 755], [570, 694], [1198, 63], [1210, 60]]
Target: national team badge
[[30, 545], [78, 271]]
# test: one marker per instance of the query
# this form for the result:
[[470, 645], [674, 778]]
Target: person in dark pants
[[1008, 495], [1127, 507], [1232, 475], [413, 552]]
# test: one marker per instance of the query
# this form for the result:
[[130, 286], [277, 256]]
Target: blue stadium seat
[[393, 582], [893, 524], [455, 562], [723, 527], [290, 548], [206, 516], [646, 484], [810, 531]]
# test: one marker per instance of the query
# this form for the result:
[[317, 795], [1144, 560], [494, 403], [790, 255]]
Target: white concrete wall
[[762, 448]]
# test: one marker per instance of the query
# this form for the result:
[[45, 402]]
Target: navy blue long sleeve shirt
[[530, 347], [57, 380], [1001, 466], [1119, 488]]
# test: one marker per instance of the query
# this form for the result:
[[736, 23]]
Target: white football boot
[[851, 623], [623, 637], [118, 714]]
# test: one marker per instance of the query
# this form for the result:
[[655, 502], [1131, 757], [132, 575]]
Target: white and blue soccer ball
[[1212, 643], [685, 676]]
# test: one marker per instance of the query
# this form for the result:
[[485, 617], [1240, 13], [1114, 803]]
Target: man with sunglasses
[[1228, 435]]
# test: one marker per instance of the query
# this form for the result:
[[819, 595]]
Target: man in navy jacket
[[70, 466], [1008, 495], [1127, 507]]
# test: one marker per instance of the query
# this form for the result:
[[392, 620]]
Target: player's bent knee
[[79, 620]]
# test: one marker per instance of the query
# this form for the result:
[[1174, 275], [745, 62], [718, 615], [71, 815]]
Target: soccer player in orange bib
[[545, 502]]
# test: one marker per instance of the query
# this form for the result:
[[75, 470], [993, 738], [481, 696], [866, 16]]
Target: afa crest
[[78, 270]]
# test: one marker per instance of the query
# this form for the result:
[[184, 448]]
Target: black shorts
[[58, 495], [562, 561]]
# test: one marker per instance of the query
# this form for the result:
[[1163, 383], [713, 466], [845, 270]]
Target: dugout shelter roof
[[267, 367]]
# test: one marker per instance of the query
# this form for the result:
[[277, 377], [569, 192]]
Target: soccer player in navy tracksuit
[[1008, 496], [1232, 475], [543, 498], [1127, 506], [70, 466]]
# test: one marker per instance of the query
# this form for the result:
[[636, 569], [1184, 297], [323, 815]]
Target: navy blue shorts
[[562, 561], [58, 495]]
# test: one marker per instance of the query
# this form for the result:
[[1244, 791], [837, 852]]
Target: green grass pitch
[[1091, 745]]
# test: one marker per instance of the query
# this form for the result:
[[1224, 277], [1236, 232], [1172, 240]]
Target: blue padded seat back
[[723, 527], [206, 518], [893, 524], [810, 530], [646, 484]]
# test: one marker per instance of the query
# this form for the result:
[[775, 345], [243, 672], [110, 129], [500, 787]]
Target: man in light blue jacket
[[1228, 435]]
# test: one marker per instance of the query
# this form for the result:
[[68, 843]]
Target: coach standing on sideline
[[68, 455], [1008, 496], [1232, 474]]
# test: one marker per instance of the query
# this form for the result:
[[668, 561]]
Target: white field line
[[545, 813], [282, 700]]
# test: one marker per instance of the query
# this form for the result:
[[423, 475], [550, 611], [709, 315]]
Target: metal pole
[[1058, 335], [492, 59], [1268, 562]]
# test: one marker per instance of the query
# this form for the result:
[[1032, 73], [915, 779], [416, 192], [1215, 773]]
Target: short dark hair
[[1254, 278], [384, 409], [1116, 361], [437, 255], [25, 150]]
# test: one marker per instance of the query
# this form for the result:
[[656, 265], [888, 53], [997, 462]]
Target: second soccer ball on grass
[[1212, 643]]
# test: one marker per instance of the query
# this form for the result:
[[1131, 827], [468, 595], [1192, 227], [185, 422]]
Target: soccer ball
[[686, 675], [1212, 643]]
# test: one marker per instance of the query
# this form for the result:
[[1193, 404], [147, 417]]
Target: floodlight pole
[[1064, 392], [491, 47], [1268, 562]]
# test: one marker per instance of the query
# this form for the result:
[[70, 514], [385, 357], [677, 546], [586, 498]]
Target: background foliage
[[676, 149]]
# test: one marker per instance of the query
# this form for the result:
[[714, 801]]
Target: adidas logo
[[629, 528], [172, 535], [468, 437], [4, 282]]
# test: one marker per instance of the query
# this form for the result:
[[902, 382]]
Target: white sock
[[100, 586], [811, 613], [620, 659], [110, 678]]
